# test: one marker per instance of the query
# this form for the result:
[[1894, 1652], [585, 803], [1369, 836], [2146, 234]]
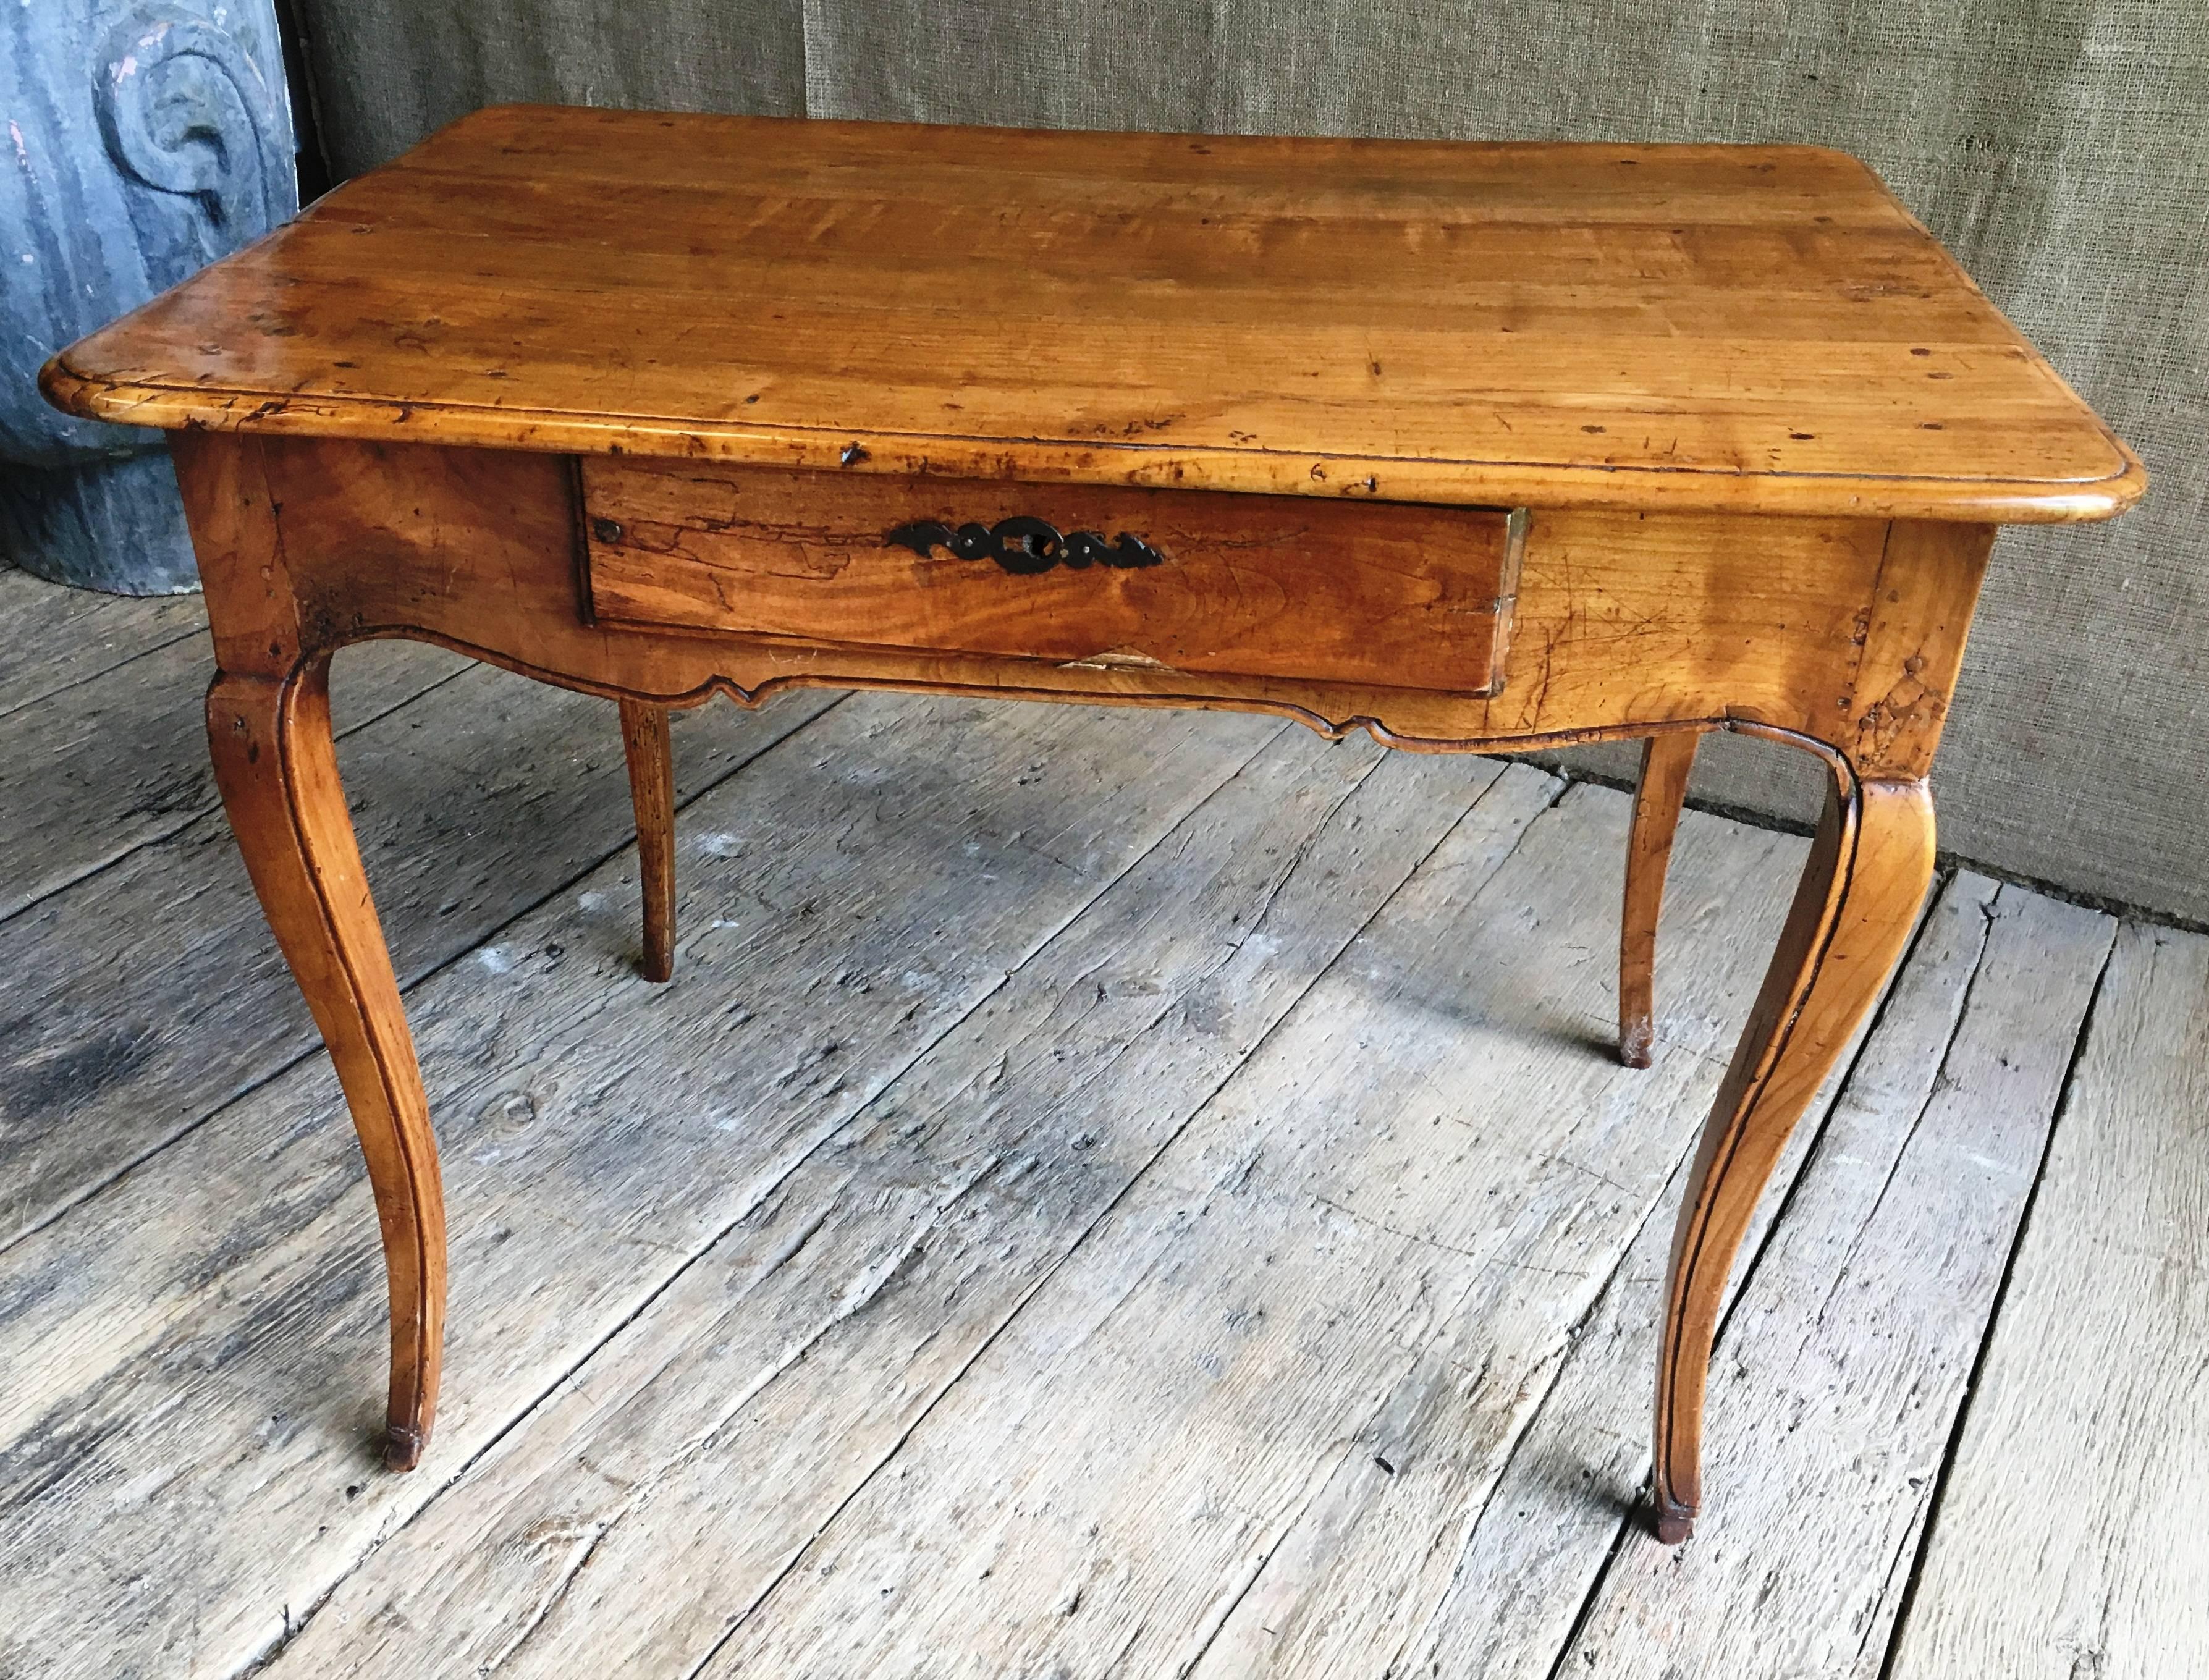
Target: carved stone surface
[[149, 138]]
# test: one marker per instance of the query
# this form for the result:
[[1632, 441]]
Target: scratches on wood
[[52, 636], [1360, 1580], [1535, 1550], [218, 1313], [2068, 1538], [1254, 586], [1858, 1334], [150, 993], [1323, 1257], [94, 772], [1187, 1226], [815, 294], [975, 1174]]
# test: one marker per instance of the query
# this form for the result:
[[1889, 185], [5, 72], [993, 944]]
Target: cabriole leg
[[1852, 914], [652, 790], [1666, 762], [277, 767]]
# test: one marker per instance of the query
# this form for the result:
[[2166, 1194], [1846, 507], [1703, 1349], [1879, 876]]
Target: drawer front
[[1372, 593]]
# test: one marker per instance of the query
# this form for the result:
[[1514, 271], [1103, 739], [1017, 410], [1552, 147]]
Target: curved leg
[[1852, 914], [277, 767], [1665, 761], [652, 790]]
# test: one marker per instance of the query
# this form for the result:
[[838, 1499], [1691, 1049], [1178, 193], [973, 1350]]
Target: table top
[[1752, 328]]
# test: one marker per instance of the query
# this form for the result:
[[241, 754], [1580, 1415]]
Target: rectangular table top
[[1754, 329]]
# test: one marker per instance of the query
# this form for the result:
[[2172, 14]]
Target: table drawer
[[1371, 592]]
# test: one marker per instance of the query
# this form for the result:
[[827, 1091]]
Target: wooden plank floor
[[1106, 1194]]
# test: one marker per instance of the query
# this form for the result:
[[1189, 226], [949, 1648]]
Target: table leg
[[652, 790], [1852, 914], [1666, 762], [277, 767]]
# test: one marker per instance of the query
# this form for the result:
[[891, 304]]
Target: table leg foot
[[1666, 762], [1673, 1524], [277, 768], [652, 790], [1852, 914]]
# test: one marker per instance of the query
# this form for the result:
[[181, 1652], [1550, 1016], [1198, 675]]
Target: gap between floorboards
[[490, 934]]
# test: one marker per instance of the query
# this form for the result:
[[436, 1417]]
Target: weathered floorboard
[[191, 1364], [1533, 1552], [1363, 1577], [1856, 1339], [2069, 1538], [1400, 1203], [92, 772], [722, 1431], [136, 1001], [1106, 1313], [52, 636]]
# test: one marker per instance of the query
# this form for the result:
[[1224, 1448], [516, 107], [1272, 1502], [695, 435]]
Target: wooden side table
[[1468, 447]]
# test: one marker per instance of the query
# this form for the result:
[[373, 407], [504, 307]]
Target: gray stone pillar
[[145, 138]]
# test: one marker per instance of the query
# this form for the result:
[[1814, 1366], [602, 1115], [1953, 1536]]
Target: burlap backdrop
[[2061, 149]]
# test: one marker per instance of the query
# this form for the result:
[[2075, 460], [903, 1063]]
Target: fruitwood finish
[[1663, 790], [276, 764], [1396, 594], [1466, 447], [652, 790]]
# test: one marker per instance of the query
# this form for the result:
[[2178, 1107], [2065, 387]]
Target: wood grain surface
[[307, 544], [1622, 621], [1739, 328], [117, 763], [51, 638], [1863, 1321], [147, 993], [1854, 908], [838, 933], [1657, 798], [1384, 593], [2069, 1540], [649, 749], [700, 1330], [809, 1342], [868, 345], [1533, 1553]]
